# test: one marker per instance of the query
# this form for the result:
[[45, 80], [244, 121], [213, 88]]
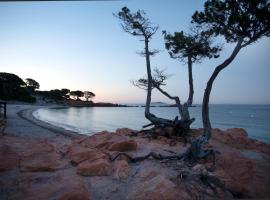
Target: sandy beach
[[22, 123]]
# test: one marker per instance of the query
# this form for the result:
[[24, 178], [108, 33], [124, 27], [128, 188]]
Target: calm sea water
[[254, 118]]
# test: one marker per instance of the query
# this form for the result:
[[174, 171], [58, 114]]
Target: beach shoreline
[[43, 159], [21, 122]]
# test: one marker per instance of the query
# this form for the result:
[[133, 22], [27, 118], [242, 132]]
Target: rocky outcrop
[[53, 169], [121, 169], [9, 159], [100, 167], [64, 184], [78, 154], [124, 145], [158, 188]]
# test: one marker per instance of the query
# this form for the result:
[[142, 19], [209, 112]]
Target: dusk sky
[[80, 45]]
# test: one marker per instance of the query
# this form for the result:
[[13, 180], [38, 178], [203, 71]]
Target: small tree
[[77, 94], [65, 93], [137, 24], [242, 22], [11, 86], [88, 95], [189, 48], [31, 84]]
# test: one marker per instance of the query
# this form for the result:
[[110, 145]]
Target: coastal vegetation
[[241, 22], [170, 160], [12, 87]]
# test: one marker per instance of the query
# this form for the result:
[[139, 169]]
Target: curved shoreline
[[20, 122], [27, 114]]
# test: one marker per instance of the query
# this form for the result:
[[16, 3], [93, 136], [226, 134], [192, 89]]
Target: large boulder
[[62, 185], [121, 169], [158, 188], [40, 156], [236, 171], [8, 158], [99, 140], [123, 145], [78, 154], [46, 161], [100, 167]]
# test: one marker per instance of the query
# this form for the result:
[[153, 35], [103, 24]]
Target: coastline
[[20, 118], [43, 160]]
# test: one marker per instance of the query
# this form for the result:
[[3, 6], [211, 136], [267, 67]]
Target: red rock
[[121, 169], [124, 145], [147, 173], [74, 195], [236, 171], [99, 140], [124, 132], [78, 154], [61, 185], [8, 158], [100, 167], [156, 188], [46, 161]]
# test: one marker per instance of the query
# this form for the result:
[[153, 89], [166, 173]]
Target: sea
[[255, 119]]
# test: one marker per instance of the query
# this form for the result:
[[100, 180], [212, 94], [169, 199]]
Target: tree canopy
[[32, 84], [88, 95]]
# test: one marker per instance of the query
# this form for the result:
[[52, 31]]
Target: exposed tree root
[[190, 156]]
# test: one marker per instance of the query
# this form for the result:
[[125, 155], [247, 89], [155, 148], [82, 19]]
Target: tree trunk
[[149, 84], [176, 99], [190, 80], [205, 106]]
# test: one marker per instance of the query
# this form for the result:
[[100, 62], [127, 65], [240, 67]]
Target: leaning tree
[[31, 84], [189, 49], [137, 24], [88, 95], [243, 22]]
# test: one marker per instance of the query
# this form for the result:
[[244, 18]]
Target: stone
[[124, 132], [121, 169], [236, 171], [46, 161], [123, 145], [78, 154], [8, 158], [61, 185], [100, 167], [99, 140], [158, 188]]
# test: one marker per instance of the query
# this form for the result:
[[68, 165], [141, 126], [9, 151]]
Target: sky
[[81, 46]]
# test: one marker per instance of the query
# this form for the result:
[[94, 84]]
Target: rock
[[199, 168], [100, 167], [124, 132], [158, 187], [78, 154], [60, 185], [147, 173], [236, 171], [121, 169], [46, 161], [8, 158], [124, 145], [74, 195], [99, 140]]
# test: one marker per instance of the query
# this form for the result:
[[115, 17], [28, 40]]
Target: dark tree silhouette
[[242, 22], [137, 24], [189, 48], [65, 93], [12, 87], [88, 95], [77, 94], [31, 84]]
